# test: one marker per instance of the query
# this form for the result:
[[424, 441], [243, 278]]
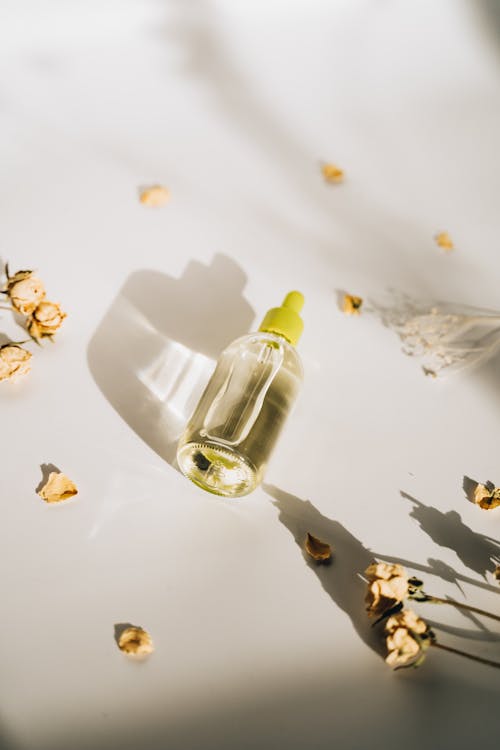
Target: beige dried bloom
[[135, 641], [444, 240], [154, 196], [351, 305], [14, 362], [486, 497], [387, 587], [25, 291], [58, 487], [407, 638], [318, 550], [332, 173], [45, 320]]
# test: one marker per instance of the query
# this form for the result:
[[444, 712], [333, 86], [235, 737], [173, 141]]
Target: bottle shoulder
[[254, 341]]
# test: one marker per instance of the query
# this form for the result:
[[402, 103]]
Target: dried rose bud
[[407, 639], [25, 291], [14, 362], [58, 487], [135, 641], [318, 550], [486, 497], [332, 173], [387, 587], [155, 196], [444, 240], [45, 320], [351, 304]]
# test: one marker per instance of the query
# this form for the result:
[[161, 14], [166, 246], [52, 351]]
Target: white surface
[[232, 105]]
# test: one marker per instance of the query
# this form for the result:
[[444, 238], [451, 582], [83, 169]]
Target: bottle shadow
[[476, 551], [155, 349]]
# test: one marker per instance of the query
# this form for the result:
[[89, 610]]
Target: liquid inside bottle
[[226, 445]]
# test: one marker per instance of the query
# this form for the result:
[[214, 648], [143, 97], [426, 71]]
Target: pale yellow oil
[[230, 437]]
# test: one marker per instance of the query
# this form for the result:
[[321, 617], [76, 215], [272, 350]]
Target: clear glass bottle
[[227, 442]]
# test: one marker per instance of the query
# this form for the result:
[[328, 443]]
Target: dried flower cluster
[[487, 496], [27, 296]]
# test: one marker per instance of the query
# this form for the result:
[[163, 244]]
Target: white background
[[233, 105]]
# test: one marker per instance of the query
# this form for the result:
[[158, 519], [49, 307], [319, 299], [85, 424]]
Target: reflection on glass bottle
[[227, 442]]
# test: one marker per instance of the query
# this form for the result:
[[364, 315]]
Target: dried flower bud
[[135, 641], [351, 304], [58, 487], [387, 587], [407, 638], [318, 550], [25, 291], [45, 320], [444, 240], [155, 196], [486, 497], [14, 362], [332, 173]]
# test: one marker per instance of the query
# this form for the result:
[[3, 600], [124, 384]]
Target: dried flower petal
[[45, 320], [487, 498], [58, 487], [444, 240], [156, 195], [384, 570], [318, 550], [351, 304], [135, 641], [332, 173], [25, 291], [14, 362]]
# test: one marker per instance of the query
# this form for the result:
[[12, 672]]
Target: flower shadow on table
[[476, 551], [156, 347]]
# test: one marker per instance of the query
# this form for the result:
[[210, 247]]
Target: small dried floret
[[156, 195], [58, 487], [387, 587], [486, 497], [407, 639], [318, 550], [45, 320], [351, 304], [25, 291], [14, 362], [332, 173], [135, 641], [444, 240]]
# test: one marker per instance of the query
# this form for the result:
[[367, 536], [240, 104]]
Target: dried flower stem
[[480, 659], [462, 605]]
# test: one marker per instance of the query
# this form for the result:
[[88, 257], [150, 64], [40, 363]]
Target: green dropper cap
[[285, 320]]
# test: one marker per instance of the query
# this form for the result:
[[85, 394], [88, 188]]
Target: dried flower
[[25, 291], [407, 638], [487, 497], [387, 587], [58, 487], [14, 362], [318, 550], [351, 304], [45, 320], [135, 641], [497, 573], [155, 196], [332, 173], [444, 240]]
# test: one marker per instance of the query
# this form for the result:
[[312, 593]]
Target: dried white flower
[[45, 320], [25, 291], [14, 362]]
